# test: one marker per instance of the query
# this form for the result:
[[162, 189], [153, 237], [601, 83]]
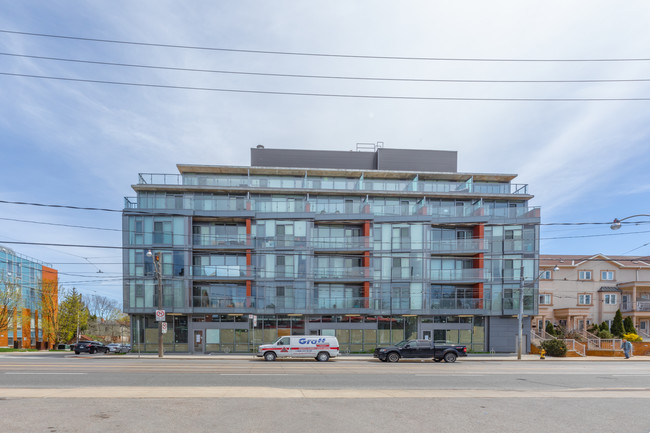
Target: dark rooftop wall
[[383, 159], [417, 160]]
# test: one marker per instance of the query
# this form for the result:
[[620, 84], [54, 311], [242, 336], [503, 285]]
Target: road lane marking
[[260, 374], [165, 392], [35, 372]]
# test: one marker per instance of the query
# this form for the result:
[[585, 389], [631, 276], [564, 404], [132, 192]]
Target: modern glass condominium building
[[372, 247], [28, 300]]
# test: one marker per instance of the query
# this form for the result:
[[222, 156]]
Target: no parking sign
[[164, 327], [160, 315]]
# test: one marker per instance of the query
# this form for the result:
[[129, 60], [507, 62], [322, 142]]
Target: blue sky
[[83, 144]]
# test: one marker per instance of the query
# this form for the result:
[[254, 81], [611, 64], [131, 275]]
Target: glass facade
[[251, 258], [33, 288]]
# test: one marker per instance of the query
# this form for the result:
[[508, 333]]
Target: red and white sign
[[160, 315], [164, 327]]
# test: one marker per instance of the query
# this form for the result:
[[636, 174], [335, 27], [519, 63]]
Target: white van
[[301, 346]]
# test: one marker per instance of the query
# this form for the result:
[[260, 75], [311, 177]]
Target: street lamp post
[[520, 314], [158, 271]]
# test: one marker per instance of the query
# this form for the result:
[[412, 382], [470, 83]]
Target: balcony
[[332, 183], [353, 243], [337, 305], [279, 242], [219, 241], [206, 202], [459, 246], [465, 275], [355, 273], [640, 306], [221, 272]]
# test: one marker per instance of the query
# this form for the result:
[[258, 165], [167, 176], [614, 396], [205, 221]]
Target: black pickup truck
[[420, 349]]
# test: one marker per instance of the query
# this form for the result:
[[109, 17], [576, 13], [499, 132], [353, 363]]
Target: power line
[[60, 225], [312, 54], [59, 206], [324, 95], [329, 77]]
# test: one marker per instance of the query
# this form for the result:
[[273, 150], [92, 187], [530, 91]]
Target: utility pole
[[520, 317], [157, 265]]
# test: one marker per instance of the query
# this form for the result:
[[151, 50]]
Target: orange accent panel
[[49, 304], [366, 294], [478, 294], [249, 291], [27, 330]]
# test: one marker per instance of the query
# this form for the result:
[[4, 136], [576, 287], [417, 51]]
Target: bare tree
[[103, 307], [9, 302]]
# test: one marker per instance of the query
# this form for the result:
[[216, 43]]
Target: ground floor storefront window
[[240, 333]]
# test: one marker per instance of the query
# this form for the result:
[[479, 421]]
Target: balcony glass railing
[[283, 205], [333, 304], [457, 274], [331, 183], [281, 242], [458, 245], [337, 243], [219, 240], [221, 271], [342, 272]]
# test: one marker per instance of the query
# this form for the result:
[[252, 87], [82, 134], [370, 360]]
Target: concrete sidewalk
[[472, 357]]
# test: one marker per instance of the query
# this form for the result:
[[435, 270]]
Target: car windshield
[[402, 343]]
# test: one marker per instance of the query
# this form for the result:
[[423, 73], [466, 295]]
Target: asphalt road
[[67, 393]]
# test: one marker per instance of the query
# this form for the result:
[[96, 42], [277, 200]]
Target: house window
[[546, 275], [584, 299], [544, 299], [584, 275], [610, 299], [607, 275]]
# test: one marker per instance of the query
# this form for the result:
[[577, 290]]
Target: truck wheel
[[322, 356], [392, 357], [76, 352], [450, 357], [269, 356]]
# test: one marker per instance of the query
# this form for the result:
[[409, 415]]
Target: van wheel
[[392, 357], [323, 356], [269, 356], [450, 357]]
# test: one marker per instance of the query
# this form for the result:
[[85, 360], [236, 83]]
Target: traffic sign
[[164, 327], [160, 315]]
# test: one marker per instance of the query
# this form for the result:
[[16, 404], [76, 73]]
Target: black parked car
[[420, 349], [90, 347]]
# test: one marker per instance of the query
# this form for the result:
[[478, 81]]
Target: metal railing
[[457, 274], [457, 245], [331, 183], [635, 306], [575, 346]]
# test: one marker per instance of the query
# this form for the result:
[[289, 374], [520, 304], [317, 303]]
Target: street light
[[520, 314], [616, 224], [158, 271]]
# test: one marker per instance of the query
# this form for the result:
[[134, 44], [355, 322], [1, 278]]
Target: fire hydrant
[[542, 353]]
